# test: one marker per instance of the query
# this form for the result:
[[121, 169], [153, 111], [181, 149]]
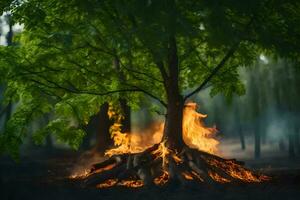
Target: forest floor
[[39, 177]]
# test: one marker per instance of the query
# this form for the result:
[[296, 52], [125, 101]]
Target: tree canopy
[[73, 55]]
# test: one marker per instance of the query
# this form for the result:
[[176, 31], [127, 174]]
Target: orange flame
[[195, 134], [218, 178], [162, 179], [132, 183], [162, 152], [236, 171], [108, 183], [187, 175]]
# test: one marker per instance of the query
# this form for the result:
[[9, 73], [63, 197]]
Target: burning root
[[160, 166]]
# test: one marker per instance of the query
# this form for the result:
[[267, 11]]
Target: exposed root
[[161, 166]]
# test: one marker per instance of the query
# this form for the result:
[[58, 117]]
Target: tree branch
[[222, 63], [149, 94], [215, 70], [142, 73]]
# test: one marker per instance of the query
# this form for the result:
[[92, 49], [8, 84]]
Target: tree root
[[151, 167]]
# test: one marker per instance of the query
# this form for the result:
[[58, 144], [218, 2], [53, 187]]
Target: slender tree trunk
[[240, 130], [242, 138], [291, 145], [126, 122], [297, 139], [257, 141], [99, 126], [9, 41], [49, 142], [102, 125], [8, 111], [281, 144], [98, 129]]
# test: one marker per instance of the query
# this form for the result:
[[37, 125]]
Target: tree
[[167, 50], [7, 110]]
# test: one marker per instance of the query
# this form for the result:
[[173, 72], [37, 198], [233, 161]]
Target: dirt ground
[[39, 177]]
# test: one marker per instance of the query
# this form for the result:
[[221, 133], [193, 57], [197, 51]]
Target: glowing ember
[[236, 171], [217, 177], [195, 174], [187, 175], [132, 183], [162, 179], [177, 159], [108, 167], [108, 183]]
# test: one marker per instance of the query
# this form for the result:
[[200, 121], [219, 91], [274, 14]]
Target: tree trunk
[[126, 122], [9, 41], [257, 141], [8, 111], [240, 129], [173, 123], [242, 138], [98, 128], [48, 142], [291, 145], [102, 125], [297, 139]]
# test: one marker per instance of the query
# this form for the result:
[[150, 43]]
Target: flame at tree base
[[137, 162], [160, 166]]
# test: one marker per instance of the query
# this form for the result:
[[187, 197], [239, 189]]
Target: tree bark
[[102, 125], [257, 141], [240, 129], [173, 123], [297, 139], [99, 125], [242, 138], [98, 128], [126, 122], [291, 145]]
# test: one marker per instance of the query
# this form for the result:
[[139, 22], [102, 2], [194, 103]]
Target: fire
[[195, 134], [131, 142], [190, 165], [132, 183], [106, 168], [218, 178], [162, 179], [187, 176], [108, 183], [125, 183], [195, 174], [236, 171], [162, 152]]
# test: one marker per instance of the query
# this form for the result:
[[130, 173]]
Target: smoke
[[270, 107]]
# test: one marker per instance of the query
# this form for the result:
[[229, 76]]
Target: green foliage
[[73, 55], [63, 130]]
